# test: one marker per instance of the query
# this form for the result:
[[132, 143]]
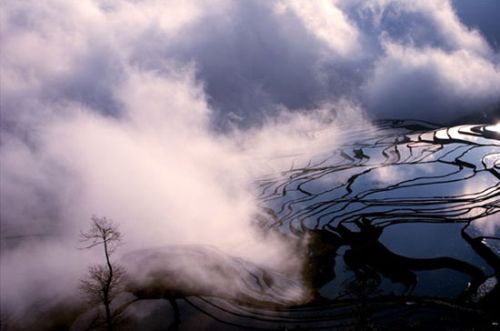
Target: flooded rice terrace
[[401, 227]]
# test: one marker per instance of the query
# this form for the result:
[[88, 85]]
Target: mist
[[161, 115]]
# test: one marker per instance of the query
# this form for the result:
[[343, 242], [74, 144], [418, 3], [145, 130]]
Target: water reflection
[[407, 175], [401, 229]]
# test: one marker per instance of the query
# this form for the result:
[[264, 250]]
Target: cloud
[[158, 170], [426, 22], [160, 114], [432, 79], [480, 15], [250, 57], [325, 21]]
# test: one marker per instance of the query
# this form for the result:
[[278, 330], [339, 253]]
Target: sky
[[161, 114]]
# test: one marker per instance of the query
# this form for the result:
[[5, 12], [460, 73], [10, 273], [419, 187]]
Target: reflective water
[[402, 229]]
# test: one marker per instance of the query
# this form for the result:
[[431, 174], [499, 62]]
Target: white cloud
[[451, 82], [324, 20], [108, 107], [426, 19]]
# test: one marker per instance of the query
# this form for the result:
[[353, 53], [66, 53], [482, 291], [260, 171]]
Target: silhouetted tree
[[104, 281]]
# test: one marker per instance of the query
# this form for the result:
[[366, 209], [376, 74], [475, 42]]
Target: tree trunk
[[107, 288]]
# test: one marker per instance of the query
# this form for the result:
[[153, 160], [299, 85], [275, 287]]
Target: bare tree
[[104, 281]]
